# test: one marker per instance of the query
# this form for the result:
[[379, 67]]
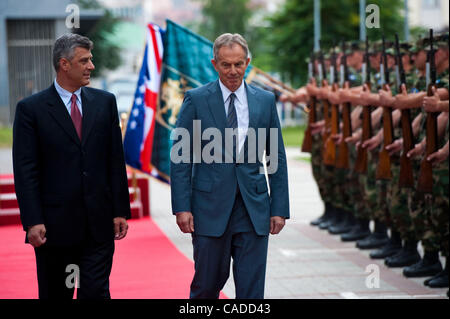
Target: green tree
[[106, 54], [221, 16], [291, 37], [234, 16]]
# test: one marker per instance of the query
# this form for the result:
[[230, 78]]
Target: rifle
[[307, 141], [343, 154], [362, 154], [326, 104], [406, 178], [384, 160], [329, 157], [425, 183]]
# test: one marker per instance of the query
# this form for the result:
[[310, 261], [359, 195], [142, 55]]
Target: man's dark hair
[[65, 47]]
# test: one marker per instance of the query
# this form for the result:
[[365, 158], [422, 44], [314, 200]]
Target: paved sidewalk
[[6, 161], [303, 261]]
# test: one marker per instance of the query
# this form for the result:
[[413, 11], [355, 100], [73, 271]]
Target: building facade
[[28, 29]]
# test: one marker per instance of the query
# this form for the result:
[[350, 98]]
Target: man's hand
[[334, 98], [317, 127], [386, 98], [364, 96], [419, 149], [395, 147], [431, 103], [36, 235], [345, 95], [276, 224], [185, 221], [337, 138], [355, 138], [300, 96], [372, 142], [401, 100], [120, 228], [439, 156]]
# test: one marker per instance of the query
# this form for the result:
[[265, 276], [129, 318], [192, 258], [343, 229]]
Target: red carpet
[[146, 265]]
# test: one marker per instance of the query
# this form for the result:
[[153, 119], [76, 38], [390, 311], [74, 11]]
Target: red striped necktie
[[76, 115]]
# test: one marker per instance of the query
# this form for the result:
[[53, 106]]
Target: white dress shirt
[[241, 105], [66, 97]]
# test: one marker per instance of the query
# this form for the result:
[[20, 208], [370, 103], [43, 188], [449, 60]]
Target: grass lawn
[[5, 136], [293, 135]]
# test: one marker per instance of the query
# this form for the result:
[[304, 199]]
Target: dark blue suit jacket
[[208, 190], [70, 186]]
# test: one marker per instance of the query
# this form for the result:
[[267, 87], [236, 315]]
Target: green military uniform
[[316, 159], [316, 156], [354, 185], [334, 178], [430, 214], [374, 189], [400, 199], [436, 235]]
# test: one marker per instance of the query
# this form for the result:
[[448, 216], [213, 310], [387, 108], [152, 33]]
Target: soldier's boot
[[345, 226], [429, 265], [377, 239], [335, 217], [440, 280], [326, 215], [359, 231], [393, 246], [405, 257]]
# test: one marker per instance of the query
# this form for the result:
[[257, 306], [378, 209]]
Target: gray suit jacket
[[208, 190]]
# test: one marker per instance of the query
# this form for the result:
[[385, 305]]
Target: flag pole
[[362, 20]]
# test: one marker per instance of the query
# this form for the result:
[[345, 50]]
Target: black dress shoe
[[404, 258], [439, 282], [345, 226], [359, 231], [317, 221], [423, 268], [340, 229], [387, 250], [427, 281], [355, 234], [334, 220], [325, 216], [325, 224], [375, 240]]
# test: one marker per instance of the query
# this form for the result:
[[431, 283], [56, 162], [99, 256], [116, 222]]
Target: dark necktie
[[76, 115], [231, 117], [232, 120]]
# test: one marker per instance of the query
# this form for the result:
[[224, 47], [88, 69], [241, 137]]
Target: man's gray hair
[[65, 47], [228, 39]]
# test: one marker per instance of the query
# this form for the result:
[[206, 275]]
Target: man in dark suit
[[70, 176], [225, 204]]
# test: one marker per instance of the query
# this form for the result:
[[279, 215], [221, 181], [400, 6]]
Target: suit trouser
[[88, 265], [212, 256]]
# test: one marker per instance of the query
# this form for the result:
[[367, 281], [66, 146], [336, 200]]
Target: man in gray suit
[[225, 204]]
